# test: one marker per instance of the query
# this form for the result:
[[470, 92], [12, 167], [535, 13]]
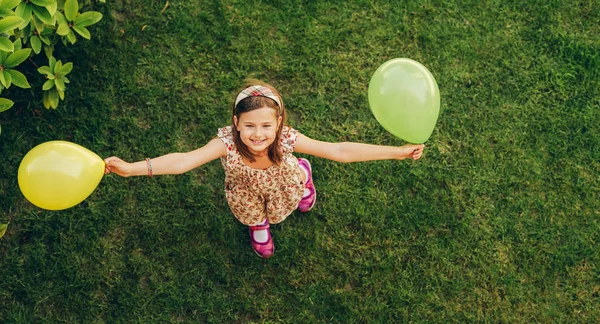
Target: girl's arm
[[173, 163], [356, 152]]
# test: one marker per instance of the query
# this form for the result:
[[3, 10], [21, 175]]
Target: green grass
[[498, 222]]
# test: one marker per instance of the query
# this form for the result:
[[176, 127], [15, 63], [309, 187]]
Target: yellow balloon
[[58, 175]]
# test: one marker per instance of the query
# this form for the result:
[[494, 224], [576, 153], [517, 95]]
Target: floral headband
[[257, 91]]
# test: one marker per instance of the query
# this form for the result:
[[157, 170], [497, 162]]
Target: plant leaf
[[36, 44], [51, 62], [66, 69], [71, 9], [6, 45], [43, 15], [24, 11], [60, 85], [43, 3], [61, 94], [48, 85], [53, 98], [3, 80], [82, 31], [19, 79], [46, 100], [44, 39], [17, 57], [71, 37], [9, 4], [57, 66], [3, 56], [5, 104], [63, 29], [10, 23], [87, 18], [45, 70], [18, 44], [7, 78], [52, 8]]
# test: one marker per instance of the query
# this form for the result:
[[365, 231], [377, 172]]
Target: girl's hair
[[255, 102]]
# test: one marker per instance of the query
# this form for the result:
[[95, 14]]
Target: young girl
[[264, 181]]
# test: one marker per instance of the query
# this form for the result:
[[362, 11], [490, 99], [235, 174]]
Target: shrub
[[29, 27]]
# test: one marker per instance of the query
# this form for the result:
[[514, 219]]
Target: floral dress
[[256, 195]]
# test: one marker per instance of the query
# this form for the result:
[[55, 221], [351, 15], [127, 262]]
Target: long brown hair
[[256, 102]]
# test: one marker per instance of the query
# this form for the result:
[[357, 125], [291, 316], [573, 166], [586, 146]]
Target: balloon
[[58, 175], [405, 99]]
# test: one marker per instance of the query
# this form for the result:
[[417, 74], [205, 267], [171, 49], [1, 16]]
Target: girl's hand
[[413, 151], [116, 165]]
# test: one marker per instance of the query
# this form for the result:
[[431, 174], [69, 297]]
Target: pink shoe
[[266, 249], [308, 202]]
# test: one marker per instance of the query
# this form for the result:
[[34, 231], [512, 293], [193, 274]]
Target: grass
[[498, 222]]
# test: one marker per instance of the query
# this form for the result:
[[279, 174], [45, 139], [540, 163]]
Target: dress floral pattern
[[256, 195]]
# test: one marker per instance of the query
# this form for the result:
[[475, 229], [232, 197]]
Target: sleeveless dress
[[256, 195]]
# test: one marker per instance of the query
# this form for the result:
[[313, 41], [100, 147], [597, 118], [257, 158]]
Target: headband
[[257, 91]]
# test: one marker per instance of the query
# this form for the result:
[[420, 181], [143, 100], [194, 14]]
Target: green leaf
[[9, 4], [19, 79], [3, 228], [24, 11], [52, 8], [49, 51], [66, 69], [45, 39], [10, 23], [43, 3], [53, 98], [45, 70], [65, 80], [60, 18], [61, 94], [63, 29], [3, 80], [71, 37], [46, 100], [17, 57], [3, 56], [43, 15], [5, 104], [48, 85], [82, 31], [36, 44], [7, 78], [18, 44], [57, 66], [51, 63], [71, 9], [87, 18], [6, 45], [60, 85]]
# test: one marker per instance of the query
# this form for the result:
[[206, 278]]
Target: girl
[[264, 181]]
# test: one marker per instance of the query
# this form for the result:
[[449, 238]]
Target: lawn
[[498, 222]]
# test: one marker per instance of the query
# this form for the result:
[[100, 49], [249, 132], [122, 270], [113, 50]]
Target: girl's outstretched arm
[[356, 152], [173, 163]]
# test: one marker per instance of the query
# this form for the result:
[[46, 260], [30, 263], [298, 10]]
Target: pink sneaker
[[308, 202], [266, 249]]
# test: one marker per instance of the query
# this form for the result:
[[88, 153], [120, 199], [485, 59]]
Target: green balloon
[[405, 99]]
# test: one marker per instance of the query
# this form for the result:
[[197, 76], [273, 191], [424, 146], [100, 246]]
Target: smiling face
[[258, 129]]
